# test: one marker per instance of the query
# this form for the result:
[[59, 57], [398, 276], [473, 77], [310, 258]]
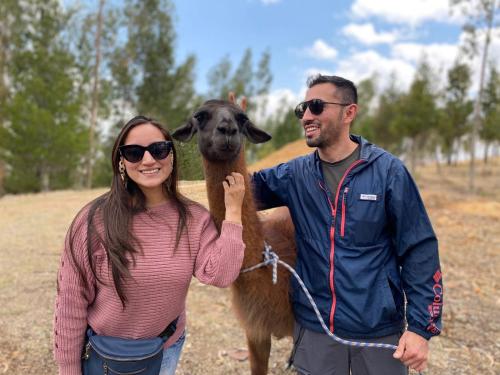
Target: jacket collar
[[369, 152]]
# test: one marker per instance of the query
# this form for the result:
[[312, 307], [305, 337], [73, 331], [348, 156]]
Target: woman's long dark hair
[[117, 208]]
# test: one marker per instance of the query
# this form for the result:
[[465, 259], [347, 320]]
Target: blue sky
[[355, 39], [292, 30]]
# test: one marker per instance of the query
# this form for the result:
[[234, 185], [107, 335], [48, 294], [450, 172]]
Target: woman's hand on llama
[[234, 191]]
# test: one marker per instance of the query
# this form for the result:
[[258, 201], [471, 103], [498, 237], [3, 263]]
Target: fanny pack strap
[[166, 333], [169, 331]]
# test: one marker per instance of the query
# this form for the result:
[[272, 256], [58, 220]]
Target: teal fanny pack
[[114, 355]]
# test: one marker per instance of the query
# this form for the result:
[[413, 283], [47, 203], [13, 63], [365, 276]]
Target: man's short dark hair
[[347, 89]]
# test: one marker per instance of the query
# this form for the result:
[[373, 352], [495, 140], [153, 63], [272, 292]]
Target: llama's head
[[222, 128]]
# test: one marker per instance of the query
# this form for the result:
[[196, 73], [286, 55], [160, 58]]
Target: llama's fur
[[263, 308]]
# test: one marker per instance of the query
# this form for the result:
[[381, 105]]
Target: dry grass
[[32, 229]]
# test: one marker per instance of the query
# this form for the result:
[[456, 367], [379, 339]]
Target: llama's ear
[[185, 132], [254, 134]]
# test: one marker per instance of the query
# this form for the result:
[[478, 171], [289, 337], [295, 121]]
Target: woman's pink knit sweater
[[158, 286]]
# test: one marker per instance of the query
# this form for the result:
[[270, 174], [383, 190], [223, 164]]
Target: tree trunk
[[438, 164], [413, 156], [2, 176], [95, 96], [486, 149], [477, 105], [45, 179]]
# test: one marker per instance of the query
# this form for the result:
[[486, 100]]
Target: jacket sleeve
[[270, 186], [417, 251]]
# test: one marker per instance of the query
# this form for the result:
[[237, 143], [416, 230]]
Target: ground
[[32, 230]]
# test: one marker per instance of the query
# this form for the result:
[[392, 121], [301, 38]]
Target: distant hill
[[287, 152]]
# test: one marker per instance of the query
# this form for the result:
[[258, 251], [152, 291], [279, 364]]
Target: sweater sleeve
[[75, 292], [417, 249], [220, 257]]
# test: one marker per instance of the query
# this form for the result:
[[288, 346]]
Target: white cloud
[[439, 54], [366, 34], [370, 63], [321, 50], [275, 102], [411, 12]]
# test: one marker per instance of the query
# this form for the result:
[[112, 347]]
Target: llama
[[263, 308]]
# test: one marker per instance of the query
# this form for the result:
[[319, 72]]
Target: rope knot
[[271, 258]]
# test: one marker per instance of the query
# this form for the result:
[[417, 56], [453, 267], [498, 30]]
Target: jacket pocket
[[390, 304], [365, 218]]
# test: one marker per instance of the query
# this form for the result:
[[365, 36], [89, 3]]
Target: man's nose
[[307, 115]]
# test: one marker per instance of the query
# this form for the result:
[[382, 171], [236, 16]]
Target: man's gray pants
[[317, 354]]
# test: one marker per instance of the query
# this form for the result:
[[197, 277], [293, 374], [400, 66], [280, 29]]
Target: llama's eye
[[201, 116], [241, 118]]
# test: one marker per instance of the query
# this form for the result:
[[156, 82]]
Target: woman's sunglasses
[[316, 106], [135, 153]]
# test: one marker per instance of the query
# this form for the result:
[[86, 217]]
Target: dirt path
[[32, 229]]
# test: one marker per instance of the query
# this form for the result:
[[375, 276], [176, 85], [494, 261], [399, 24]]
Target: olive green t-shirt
[[333, 172]]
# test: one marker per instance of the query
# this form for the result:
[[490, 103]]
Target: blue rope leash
[[271, 258]]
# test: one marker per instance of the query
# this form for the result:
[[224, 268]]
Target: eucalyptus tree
[[43, 141], [457, 107], [479, 27], [490, 131]]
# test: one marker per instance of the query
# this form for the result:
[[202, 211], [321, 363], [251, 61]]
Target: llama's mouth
[[222, 152]]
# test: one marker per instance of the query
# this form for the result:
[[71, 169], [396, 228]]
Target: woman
[[130, 254]]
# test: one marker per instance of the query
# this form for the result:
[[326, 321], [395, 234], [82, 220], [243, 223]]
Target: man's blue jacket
[[362, 248]]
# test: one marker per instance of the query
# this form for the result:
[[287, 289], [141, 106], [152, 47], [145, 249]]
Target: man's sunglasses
[[135, 153], [316, 106]]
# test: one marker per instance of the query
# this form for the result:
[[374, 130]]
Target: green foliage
[[219, 79], [417, 113], [103, 168], [285, 129], [10, 28], [452, 122], [147, 78], [490, 132], [381, 126], [42, 143], [189, 159], [244, 81], [363, 122]]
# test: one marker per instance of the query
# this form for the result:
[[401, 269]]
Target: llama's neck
[[215, 173]]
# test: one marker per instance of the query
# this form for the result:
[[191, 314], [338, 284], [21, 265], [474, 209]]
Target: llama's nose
[[226, 128]]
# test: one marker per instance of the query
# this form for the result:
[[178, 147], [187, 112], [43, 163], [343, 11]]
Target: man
[[364, 241]]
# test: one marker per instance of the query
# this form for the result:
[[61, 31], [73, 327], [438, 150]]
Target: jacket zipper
[[342, 223], [332, 243], [332, 250]]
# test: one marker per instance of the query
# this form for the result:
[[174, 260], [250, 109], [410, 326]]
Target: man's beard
[[329, 134], [315, 142]]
